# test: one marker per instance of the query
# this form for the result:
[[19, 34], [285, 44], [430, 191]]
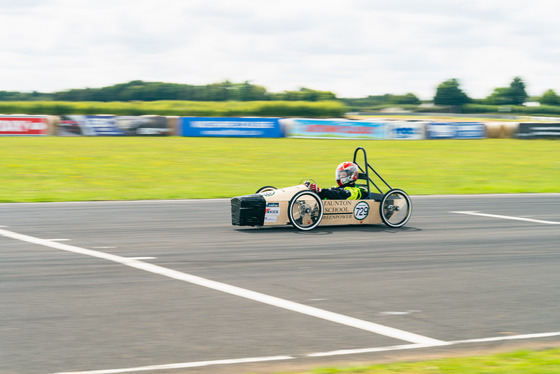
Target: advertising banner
[[24, 125], [455, 130], [541, 130], [230, 127], [75, 125], [406, 130], [143, 126], [470, 130], [335, 128], [440, 130]]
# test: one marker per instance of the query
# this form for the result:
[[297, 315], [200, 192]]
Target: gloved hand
[[314, 187]]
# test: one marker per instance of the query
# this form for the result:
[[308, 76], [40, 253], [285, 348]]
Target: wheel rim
[[305, 211], [395, 208], [266, 189]]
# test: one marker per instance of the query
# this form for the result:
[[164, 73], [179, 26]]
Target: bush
[[181, 108], [512, 109]]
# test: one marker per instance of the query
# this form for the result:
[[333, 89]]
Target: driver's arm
[[334, 193]]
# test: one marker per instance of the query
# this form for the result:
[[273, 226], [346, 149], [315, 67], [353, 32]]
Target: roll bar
[[364, 175]]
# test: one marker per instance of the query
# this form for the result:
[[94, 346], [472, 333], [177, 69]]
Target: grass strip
[[37, 169], [330, 108], [518, 362]]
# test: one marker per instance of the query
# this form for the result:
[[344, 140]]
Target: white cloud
[[353, 47]]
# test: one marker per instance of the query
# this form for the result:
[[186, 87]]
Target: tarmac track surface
[[172, 287]]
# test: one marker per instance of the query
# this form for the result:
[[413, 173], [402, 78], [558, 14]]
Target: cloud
[[353, 47]]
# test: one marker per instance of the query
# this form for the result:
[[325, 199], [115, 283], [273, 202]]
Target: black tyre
[[395, 208], [265, 189], [305, 210]]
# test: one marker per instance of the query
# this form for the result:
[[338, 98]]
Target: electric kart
[[304, 209]]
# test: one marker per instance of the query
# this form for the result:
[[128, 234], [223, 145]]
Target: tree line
[[448, 93], [224, 91], [153, 91]]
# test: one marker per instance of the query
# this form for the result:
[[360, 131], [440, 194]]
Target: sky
[[354, 48]]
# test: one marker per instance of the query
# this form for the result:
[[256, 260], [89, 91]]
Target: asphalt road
[[126, 285]]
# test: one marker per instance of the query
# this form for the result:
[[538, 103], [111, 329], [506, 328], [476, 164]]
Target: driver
[[346, 175]]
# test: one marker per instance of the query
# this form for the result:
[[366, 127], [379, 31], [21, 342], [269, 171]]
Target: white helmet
[[346, 173]]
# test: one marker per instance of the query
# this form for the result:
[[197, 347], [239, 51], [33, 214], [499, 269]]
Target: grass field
[[131, 168], [518, 362]]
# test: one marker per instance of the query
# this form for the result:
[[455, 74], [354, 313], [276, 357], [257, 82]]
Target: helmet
[[346, 173]]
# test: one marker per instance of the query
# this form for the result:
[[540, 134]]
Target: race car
[[302, 208]]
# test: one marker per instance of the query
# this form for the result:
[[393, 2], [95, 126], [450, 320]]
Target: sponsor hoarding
[[230, 127], [24, 125], [75, 125], [440, 130], [335, 128], [143, 125], [470, 130], [455, 130], [528, 130], [406, 130]]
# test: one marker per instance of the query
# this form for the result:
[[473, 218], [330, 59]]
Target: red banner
[[23, 125]]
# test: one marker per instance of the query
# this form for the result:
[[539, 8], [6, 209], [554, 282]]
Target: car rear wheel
[[395, 208], [305, 210]]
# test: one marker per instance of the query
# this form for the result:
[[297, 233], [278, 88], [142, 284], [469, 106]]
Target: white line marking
[[512, 337], [143, 258], [366, 350], [219, 200], [398, 313], [509, 217], [317, 354], [237, 291], [85, 202], [184, 365], [58, 240], [476, 196]]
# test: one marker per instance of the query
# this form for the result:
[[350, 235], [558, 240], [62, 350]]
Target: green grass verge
[[330, 108], [518, 362], [130, 168]]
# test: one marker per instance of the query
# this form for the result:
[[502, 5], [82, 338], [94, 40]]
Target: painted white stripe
[[418, 346], [143, 258], [317, 354], [237, 291], [184, 365], [111, 202], [58, 240], [511, 337], [222, 200], [341, 352], [509, 217]]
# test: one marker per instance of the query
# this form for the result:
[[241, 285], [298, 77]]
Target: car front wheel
[[305, 210]]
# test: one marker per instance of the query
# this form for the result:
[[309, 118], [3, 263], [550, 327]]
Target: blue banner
[[230, 127], [470, 130], [455, 130], [334, 128], [406, 130], [440, 130]]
